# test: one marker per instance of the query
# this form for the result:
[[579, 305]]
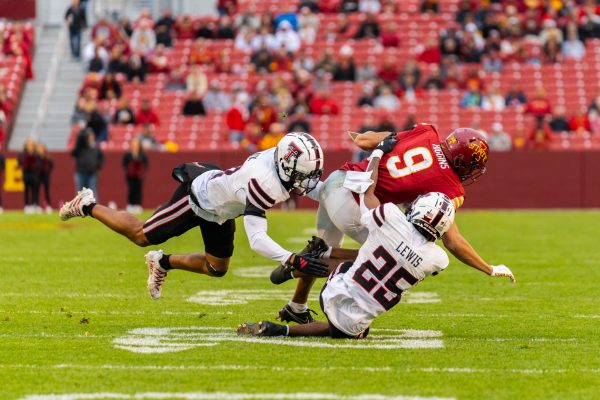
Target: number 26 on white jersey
[[408, 160]]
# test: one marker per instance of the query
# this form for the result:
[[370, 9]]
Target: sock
[[87, 210], [165, 262], [297, 307]]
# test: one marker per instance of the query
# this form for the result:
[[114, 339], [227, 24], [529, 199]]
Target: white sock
[[297, 307]]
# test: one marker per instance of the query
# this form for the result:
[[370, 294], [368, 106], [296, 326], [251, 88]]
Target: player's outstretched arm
[[368, 140], [460, 248]]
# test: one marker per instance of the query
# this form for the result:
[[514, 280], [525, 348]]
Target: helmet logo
[[452, 139], [293, 152], [479, 152]]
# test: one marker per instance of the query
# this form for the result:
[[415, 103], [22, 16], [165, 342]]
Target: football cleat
[[315, 248], [263, 328], [288, 315], [156, 275], [74, 208]]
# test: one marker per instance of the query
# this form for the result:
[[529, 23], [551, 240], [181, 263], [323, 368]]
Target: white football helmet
[[299, 160], [432, 214]]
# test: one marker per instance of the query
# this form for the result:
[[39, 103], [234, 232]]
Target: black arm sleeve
[[251, 209]]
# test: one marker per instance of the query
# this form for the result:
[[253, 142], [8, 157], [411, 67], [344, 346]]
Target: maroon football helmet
[[467, 152]]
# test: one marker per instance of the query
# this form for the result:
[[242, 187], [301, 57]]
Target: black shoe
[[263, 328], [315, 248], [288, 315]]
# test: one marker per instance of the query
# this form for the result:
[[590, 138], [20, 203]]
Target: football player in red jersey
[[419, 163]]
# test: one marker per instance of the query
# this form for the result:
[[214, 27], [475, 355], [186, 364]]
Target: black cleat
[[315, 248], [288, 315], [263, 328]]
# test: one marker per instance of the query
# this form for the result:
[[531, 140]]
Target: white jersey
[[394, 258], [224, 195]]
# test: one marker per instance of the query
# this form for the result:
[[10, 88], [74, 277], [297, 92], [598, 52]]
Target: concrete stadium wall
[[513, 180]]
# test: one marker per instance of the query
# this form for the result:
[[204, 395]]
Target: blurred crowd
[[36, 166]]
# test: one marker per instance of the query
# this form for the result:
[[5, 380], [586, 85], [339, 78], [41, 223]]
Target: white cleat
[[74, 208], [156, 275]]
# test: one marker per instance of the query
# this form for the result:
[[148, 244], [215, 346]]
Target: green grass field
[[75, 318]]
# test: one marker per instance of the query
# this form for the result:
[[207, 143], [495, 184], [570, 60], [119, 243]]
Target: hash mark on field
[[257, 271], [226, 396], [229, 297], [167, 340]]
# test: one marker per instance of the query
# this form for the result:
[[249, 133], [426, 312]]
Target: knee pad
[[215, 272]]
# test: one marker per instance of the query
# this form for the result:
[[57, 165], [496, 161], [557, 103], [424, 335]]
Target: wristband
[[377, 153]]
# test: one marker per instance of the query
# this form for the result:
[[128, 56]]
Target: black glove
[[316, 247], [387, 144], [309, 266]]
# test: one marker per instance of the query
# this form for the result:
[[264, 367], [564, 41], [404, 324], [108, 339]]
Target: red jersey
[[416, 166]]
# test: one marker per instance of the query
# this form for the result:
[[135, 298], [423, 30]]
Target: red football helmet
[[467, 151]]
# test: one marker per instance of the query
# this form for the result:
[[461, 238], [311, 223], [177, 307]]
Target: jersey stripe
[[376, 218], [440, 213], [458, 201], [252, 196], [381, 211], [260, 191]]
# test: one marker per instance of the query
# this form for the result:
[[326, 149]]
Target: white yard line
[[112, 312], [225, 396]]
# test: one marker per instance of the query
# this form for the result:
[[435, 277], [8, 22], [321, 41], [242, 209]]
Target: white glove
[[502, 270]]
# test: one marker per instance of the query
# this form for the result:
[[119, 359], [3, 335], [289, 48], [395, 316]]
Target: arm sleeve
[[260, 242]]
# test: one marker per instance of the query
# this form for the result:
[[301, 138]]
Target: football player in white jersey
[[399, 252], [211, 199]]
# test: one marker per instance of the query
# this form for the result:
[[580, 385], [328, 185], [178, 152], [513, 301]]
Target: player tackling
[[211, 199], [398, 253]]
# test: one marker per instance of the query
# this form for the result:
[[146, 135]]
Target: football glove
[[308, 265], [387, 144], [502, 270]]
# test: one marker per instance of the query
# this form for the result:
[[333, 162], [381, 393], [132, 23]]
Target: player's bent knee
[[217, 266], [140, 239], [217, 272]]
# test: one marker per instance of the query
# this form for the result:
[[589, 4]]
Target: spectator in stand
[[311, 4], [430, 6], [540, 137], [282, 98], [136, 69], [110, 87], [328, 6], [348, 6], [580, 123], [408, 89], [308, 24], [434, 80], [366, 71], [123, 112], [299, 121], [515, 97], [493, 100], [117, 63], [386, 100], [197, 81], [263, 111], [201, 53], [410, 123], [410, 68], [46, 166], [30, 164], [492, 62], [303, 61], [345, 69], [193, 105], [326, 63], [388, 73], [93, 50], [146, 115], [96, 64], [368, 96], [96, 122], [164, 36], [147, 139], [573, 48], [204, 29], [265, 40], [216, 100], [386, 124], [135, 163], [389, 36], [76, 21], [552, 50], [243, 40], [559, 122], [104, 29], [176, 80], [225, 28], [166, 20], [226, 7], [431, 54], [236, 119], [550, 30], [369, 6], [498, 139], [369, 28], [124, 28], [472, 97], [184, 28], [159, 61], [287, 37], [272, 137], [252, 136], [539, 106], [261, 61], [281, 61], [79, 116], [323, 104], [143, 39]]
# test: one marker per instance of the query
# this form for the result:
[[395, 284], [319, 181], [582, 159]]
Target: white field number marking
[[229, 297], [170, 340], [224, 395], [258, 271]]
